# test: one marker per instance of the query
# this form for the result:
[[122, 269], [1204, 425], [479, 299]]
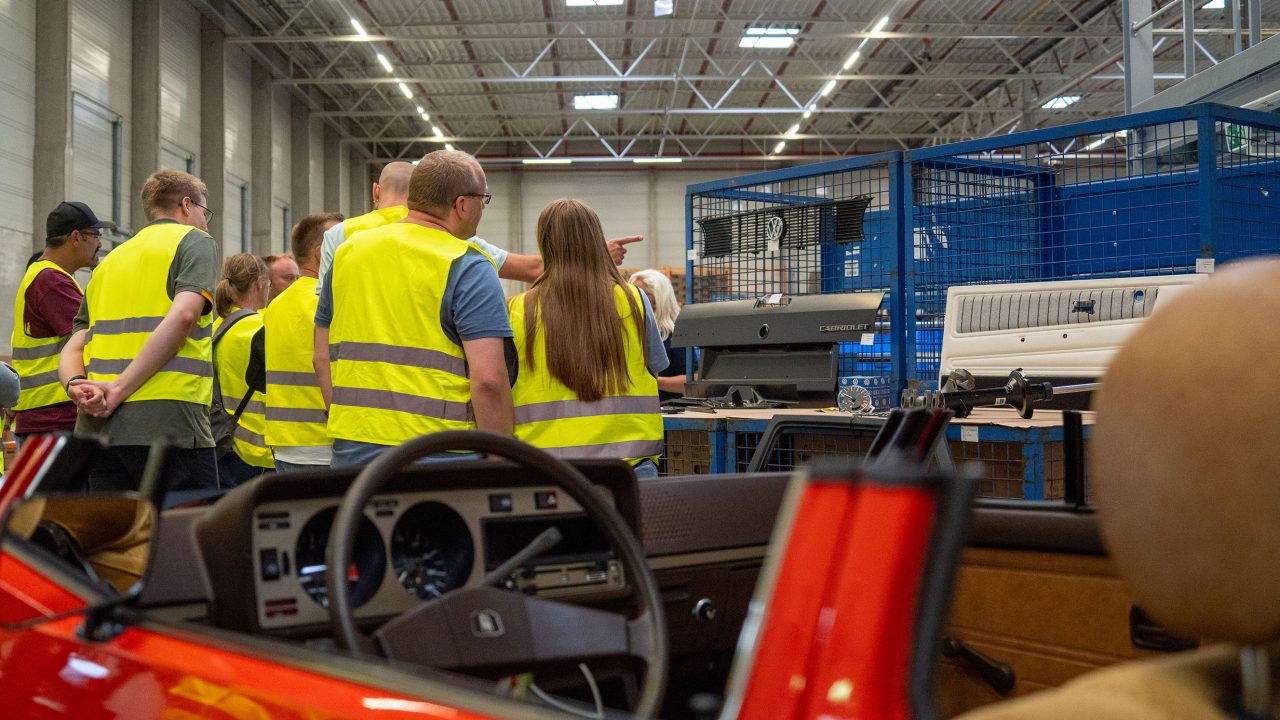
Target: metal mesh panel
[[744, 446], [820, 230], [794, 449], [686, 452], [1093, 200]]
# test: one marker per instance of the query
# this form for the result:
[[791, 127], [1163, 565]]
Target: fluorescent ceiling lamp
[[663, 8], [386, 64], [435, 130], [1214, 5], [791, 131], [547, 161], [603, 101], [852, 59], [656, 160], [448, 146], [591, 3], [1060, 102], [1097, 143], [1122, 133], [826, 89], [425, 117], [420, 109], [359, 28], [404, 89], [880, 24], [768, 37], [807, 113], [778, 148]]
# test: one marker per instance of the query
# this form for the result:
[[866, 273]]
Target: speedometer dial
[[431, 550], [368, 559]]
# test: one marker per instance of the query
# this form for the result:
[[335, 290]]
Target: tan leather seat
[[112, 534], [1185, 467]]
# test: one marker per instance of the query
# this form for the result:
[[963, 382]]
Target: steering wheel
[[477, 627]]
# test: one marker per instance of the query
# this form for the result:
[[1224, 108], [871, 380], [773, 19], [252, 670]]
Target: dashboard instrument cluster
[[415, 546]]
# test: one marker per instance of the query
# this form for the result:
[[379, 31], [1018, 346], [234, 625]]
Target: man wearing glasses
[[145, 329], [411, 327], [43, 310]]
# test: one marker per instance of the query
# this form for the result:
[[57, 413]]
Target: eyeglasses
[[208, 214], [90, 234], [487, 196]]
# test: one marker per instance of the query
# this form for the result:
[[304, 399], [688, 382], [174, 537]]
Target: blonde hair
[[164, 190], [240, 274], [666, 308], [574, 301]]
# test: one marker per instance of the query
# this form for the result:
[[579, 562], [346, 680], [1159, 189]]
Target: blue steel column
[[1207, 156], [902, 315], [689, 367]]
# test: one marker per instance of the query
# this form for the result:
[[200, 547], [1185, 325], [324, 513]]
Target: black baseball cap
[[70, 216]]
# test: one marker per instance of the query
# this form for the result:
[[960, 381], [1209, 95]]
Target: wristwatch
[[67, 386]]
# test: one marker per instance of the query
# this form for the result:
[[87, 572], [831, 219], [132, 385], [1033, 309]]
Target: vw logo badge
[[774, 228], [486, 623]]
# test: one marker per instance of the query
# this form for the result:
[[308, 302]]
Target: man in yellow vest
[[43, 311], [390, 195], [296, 412], [415, 321], [145, 329]]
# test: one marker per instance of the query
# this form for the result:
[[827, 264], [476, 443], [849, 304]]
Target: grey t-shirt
[[186, 424]]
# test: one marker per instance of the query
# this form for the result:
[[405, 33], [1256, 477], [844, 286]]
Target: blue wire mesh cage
[[1157, 193], [1164, 192], [829, 228]]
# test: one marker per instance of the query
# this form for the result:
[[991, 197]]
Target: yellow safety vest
[[231, 361], [295, 408], [396, 374], [36, 359], [377, 218], [127, 298], [549, 415]]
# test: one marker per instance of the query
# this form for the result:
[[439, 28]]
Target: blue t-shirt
[[473, 305]]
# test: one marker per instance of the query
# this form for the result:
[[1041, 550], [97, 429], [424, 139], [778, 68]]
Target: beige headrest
[[1185, 458]]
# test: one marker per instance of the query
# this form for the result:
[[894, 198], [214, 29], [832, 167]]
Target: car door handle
[[998, 675]]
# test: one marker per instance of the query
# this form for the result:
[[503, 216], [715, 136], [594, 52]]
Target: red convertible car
[[506, 588]]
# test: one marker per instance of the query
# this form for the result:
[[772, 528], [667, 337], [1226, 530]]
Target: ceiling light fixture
[[1097, 143], [420, 109], [448, 146], [656, 160], [591, 3], [425, 117], [852, 59], [386, 64], [768, 37], [778, 148], [826, 89], [435, 130], [404, 89], [598, 101], [880, 24], [791, 131], [359, 28], [547, 161], [807, 113], [1060, 102]]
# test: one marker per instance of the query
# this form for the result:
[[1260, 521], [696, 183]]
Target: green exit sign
[[1237, 137]]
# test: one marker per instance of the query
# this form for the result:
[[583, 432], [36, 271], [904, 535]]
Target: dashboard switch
[[500, 502], [269, 561], [545, 500]]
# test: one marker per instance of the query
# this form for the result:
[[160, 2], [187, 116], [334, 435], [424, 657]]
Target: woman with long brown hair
[[238, 353], [588, 349]]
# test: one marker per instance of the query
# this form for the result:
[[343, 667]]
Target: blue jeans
[[645, 470], [348, 453]]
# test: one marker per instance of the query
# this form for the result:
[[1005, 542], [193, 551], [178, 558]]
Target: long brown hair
[[574, 301], [240, 273]]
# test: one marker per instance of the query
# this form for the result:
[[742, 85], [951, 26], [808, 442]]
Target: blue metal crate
[[1017, 462], [694, 444]]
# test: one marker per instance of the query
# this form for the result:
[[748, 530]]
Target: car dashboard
[[434, 528]]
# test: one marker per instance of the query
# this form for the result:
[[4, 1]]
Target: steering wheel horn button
[[487, 623]]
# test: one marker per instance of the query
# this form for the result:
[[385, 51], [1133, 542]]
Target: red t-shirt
[[52, 300]]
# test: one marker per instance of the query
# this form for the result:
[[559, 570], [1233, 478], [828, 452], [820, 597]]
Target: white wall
[[179, 85], [238, 96], [281, 166], [17, 123], [101, 75]]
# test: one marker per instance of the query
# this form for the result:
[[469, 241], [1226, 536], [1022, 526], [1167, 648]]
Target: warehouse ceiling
[[699, 80]]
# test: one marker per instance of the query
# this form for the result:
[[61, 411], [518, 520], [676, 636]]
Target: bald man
[[390, 200]]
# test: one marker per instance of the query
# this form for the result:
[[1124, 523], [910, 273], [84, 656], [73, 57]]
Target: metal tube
[[1188, 38], [1236, 27], [1068, 389], [1143, 23], [1255, 22]]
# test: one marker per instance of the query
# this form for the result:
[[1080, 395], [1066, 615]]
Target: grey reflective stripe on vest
[[403, 402], [294, 379], [623, 449], [399, 355], [187, 366], [561, 409], [300, 415], [252, 438], [30, 382], [143, 324], [254, 406], [40, 352]]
